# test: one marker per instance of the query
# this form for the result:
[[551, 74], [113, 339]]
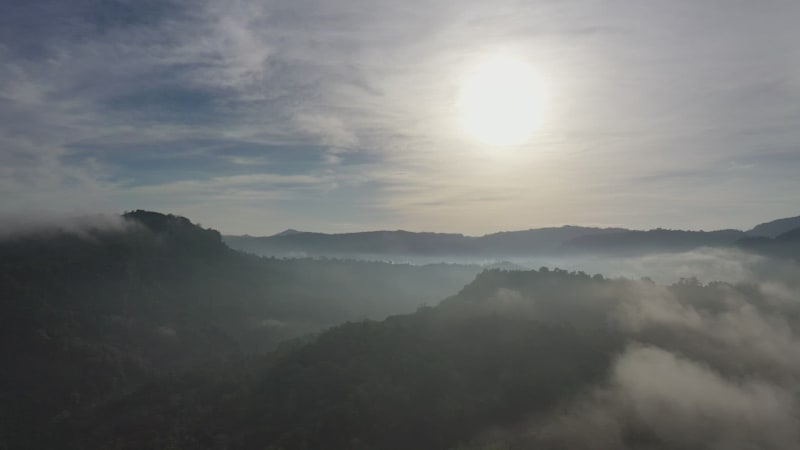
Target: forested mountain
[[541, 359], [371, 242], [543, 241], [88, 313], [632, 242], [776, 227], [426, 380], [566, 240], [152, 333], [785, 245]]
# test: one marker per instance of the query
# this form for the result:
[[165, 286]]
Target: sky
[[343, 115]]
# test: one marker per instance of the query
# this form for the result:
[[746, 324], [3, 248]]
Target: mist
[[48, 225], [664, 400], [676, 350], [702, 365], [445, 225], [707, 264]]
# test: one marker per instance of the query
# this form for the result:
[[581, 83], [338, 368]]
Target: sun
[[499, 101]]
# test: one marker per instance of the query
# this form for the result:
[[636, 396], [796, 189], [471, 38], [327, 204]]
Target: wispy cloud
[[364, 92]]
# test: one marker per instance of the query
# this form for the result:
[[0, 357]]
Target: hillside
[[427, 380], [388, 243], [542, 359], [784, 245], [556, 241], [567, 240], [94, 312], [152, 333], [653, 241], [774, 228]]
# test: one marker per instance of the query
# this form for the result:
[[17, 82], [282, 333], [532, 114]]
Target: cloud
[[736, 333], [702, 366], [14, 226], [656, 399], [373, 86], [706, 264]]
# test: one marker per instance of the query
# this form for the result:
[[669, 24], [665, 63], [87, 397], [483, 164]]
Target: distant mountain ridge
[[567, 239], [652, 241], [288, 232], [776, 227], [98, 318], [413, 243], [784, 245]]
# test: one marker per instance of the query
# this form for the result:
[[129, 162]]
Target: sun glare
[[499, 101]]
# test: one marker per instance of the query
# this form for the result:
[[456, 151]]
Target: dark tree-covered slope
[[542, 359], [154, 334], [652, 241], [776, 227], [784, 245], [89, 313], [430, 380]]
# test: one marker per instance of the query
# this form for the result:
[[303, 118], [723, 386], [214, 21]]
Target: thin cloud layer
[[666, 110], [16, 226], [703, 366], [678, 403]]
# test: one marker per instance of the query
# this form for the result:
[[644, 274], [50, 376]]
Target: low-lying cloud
[[703, 365], [657, 399], [49, 224]]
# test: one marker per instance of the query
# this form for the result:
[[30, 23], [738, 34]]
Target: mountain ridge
[[776, 227], [90, 312], [552, 241]]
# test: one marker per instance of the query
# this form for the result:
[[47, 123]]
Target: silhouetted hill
[[288, 232], [540, 359], [92, 312], [774, 228], [789, 236], [652, 241], [150, 334], [372, 242], [428, 380], [534, 241], [543, 241], [540, 240], [785, 245]]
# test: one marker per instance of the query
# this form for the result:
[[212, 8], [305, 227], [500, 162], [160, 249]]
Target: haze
[[395, 225], [253, 117]]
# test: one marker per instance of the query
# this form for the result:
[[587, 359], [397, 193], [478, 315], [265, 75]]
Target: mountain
[[653, 241], [566, 240], [784, 245], [774, 228], [510, 243], [791, 236], [372, 242], [288, 232], [538, 359], [88, 314], [149, 332], [428, 380], [533, 241]]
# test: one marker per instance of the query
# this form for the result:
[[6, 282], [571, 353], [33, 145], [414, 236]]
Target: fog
[[662, 351], [14, 226], [703, 365], [707, 264], [679, 402]]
